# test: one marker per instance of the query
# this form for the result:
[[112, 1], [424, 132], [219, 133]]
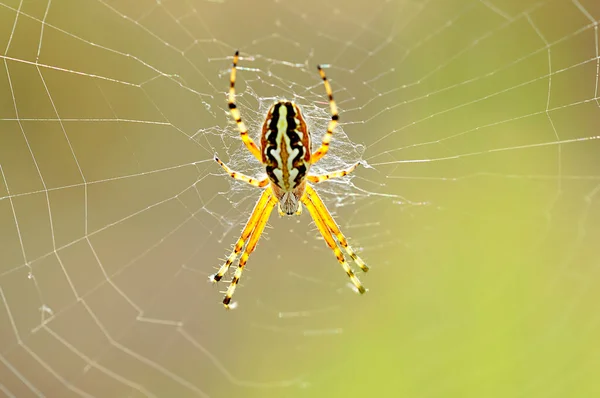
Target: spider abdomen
[[285, 145]]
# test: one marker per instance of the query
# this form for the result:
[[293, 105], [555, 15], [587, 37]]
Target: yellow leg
[[260, 226], [332, 123], [258, 211], [320, 223], [333, 227], [333, 174], [239, 176], [235, 113]]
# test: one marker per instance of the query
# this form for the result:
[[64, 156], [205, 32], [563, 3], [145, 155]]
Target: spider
[[285, 150]]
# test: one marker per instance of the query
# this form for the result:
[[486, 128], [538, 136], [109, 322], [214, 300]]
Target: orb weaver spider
[[285, 150]]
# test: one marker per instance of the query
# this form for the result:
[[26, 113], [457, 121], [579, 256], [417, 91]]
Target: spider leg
[[322, 227], [334, 174], [332, 123], [259, 210], [235, 113], [256, 233], [242, 177], [332, 226]]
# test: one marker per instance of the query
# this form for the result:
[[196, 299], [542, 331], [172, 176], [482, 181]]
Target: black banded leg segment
[[330, 241], [333, 227], [332, 123], [235, 113], [242, 177], [257, 213], [256, 233], [334, 174]]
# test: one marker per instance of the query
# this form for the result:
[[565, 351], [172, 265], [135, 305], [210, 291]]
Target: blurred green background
[[479, 212]]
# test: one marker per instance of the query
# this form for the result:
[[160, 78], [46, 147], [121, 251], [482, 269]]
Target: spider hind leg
[[257, 213], [321, 224], [252, 242], [332, 226]]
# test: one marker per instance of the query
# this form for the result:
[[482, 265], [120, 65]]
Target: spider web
[[476, 205]]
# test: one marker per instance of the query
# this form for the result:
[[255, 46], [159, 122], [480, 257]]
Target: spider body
[[285, 151], [285, 148]]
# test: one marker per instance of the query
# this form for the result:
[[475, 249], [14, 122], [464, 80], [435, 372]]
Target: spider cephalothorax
[[285, 150]]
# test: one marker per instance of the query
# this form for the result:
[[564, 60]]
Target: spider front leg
[[235, 113], [320, 222], [316, 156], [242, 177], [254, 219], [256, 233]]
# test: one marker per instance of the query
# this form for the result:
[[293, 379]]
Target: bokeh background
[[478, 209]]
